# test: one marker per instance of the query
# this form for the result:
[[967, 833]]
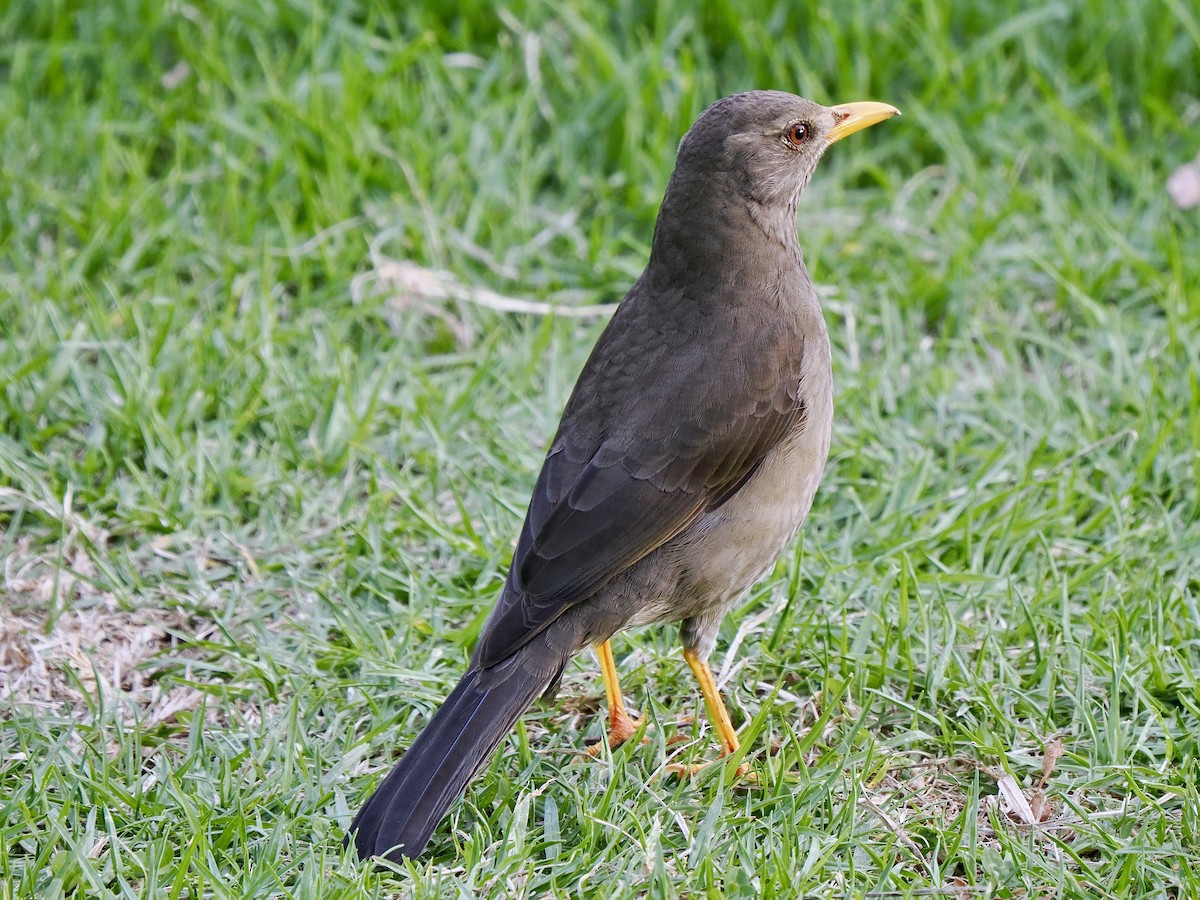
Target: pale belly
[[738, 543], [705, 569]]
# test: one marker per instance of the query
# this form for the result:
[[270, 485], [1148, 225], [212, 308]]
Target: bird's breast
[[747, 534], [734, 545]]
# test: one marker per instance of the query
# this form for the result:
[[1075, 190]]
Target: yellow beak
[[852, 117]]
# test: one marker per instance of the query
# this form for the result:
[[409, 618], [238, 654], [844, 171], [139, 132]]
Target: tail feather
[[399, 818]]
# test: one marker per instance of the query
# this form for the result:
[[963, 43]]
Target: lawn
[[266, 441]]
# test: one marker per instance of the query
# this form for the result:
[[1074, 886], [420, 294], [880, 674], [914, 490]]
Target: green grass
[[253, 511]]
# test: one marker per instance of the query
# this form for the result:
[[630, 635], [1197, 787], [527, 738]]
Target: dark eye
[[797, 134]]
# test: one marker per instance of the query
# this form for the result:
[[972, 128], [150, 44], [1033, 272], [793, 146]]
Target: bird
[[687, 457]]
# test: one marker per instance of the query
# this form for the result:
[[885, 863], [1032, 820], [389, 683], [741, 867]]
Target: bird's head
[[765, 145]]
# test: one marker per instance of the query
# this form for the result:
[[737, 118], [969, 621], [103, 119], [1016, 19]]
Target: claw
[[621, 727], [689, 770]]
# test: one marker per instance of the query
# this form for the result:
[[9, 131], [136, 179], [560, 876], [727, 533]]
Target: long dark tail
[[403, 812]]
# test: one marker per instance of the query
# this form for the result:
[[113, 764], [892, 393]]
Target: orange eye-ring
[[797, 133]]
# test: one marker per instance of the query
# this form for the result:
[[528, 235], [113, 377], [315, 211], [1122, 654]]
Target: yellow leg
[[718, 715], [621, 726]]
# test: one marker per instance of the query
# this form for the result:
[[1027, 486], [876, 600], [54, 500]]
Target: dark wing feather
[[631, 468]]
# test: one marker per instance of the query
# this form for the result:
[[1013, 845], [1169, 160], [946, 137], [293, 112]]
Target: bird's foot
[[621, 727], [689, 770]]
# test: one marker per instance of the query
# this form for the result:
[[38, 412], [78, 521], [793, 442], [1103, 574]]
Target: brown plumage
[[687, 457]]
